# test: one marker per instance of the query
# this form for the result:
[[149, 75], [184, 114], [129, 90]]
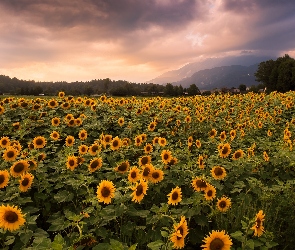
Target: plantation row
[[203, 172]]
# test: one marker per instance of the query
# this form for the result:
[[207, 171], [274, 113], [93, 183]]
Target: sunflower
[[123, 167], [223, 204], [32, 164], [72, 162], [52, 103], [116, 143], [218, 172], [225, 150], [2, 110], [238, 154], [155, 141], [70, 140], [175, 196], [179, 234], [143, 137], [232, 134], [82, 135], [212, 133], [126, 142], [19, 167], [198, 143], [199, 184], [54, 135], [139, 191], [146, 171], [69, 117], [83, 149], [78, 121], [4, 178], [11, 218], [188, 119], [25, 182], [39, 142], [10, 154], [265, 156], [61, 94], [269, 133], [138, 140], [258, 227], [217, 240], [190, 141], [94, 149], [166, 156], [55, 121], [71, 123], [162, 141], [107, 139], [4, 142], [41, 157], [156, 175], [105, 191], [222, 136], [152, 126], [210, 192], [16, 145], [121, 121], [134, 174], [144, 160], [148, 148], [201, 162], [95, 164]]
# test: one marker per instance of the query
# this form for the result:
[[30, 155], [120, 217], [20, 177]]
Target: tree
[[169, 90], [242, 87], [278, 75], [193, 90]]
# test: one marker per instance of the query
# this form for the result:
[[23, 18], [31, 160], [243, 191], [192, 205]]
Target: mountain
[[219, 77], [189, 69]]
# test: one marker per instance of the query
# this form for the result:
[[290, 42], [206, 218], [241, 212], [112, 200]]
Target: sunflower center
[[152, 126], [174, 196], [201, 161], [166, 156], [224, 150], [146, 171], [155, 175], [25, 182], [39, 142], [238, 154], [19, 167], [70, 141], [71, 162], [94, 164], [133, 175], [144, 160], [216, 244], [105, 192], [2, 178], [123, 167], [94, 148], [4, 142], [222, 204], [139, 190], [210, 193], [115, 143], [10, 217], [201, 184], [10, 154], [83, 135], [218, 171]]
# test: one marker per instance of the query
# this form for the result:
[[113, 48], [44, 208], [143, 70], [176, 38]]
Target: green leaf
[[9, 240], [238, 235], [250, 243], [63, 196], [102, 246], [156, 245], [58, 243], [164, 234], [116, 245], [133, 247]]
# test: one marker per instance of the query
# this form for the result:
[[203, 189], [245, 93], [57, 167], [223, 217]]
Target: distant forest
[[14, 86]]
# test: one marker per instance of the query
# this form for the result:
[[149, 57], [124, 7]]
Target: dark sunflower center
[[10, 217], [216, 244], [115, 143], [181, 232], [201, 184], [71, 122], [148, 148], [52, 103], [166, 156], [83, 149], [2, 178], [39, 142], [94, 148], [71, 162], [222, 204], [83, 135], [138, 140], [4, 142], [94, 164], [156, 140], [174, 196], [152, 126], [107, 139], [144, 160], [210, 193], [146, 171], [55, 121], [225, 150], [19, 167], [55, 135], [105, 192], [133, 175], [70, 141], [25, 182], [162, 142], [155, 175], [218, 171], [212, 133], [238, 154], [123, 167], [201, 161], [10, 154], [139, 190]]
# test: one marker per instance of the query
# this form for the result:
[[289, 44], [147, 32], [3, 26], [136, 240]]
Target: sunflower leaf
[[156, 245]]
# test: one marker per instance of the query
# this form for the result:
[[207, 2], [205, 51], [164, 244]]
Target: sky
[[135, 40]]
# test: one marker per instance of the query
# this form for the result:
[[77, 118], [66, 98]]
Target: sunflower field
[[204, 172]]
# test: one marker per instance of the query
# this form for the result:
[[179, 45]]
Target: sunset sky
[[135, 40]]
